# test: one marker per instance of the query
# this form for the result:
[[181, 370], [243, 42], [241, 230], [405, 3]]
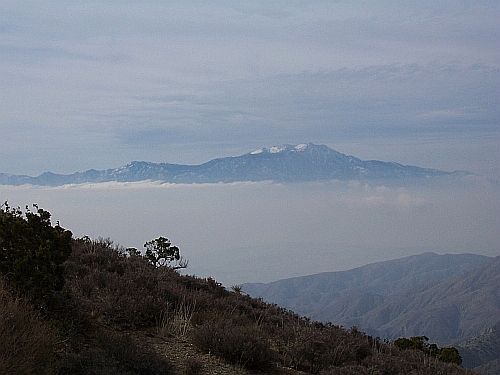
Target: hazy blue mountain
[[338, 296], [449, 298], [453, 309], [288, 163]]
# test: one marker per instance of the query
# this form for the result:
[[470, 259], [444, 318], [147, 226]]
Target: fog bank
[[259, 232]]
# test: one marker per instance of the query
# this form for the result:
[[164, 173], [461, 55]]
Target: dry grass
[[27, 344]]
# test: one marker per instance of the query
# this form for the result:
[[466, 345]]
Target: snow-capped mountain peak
[[286, 163], [277, 149], [301, 147], [256, 152], [282, 148]]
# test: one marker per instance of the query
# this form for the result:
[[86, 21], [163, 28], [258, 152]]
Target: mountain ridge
[[379, 277], [481, 351], [286, 163], [449, 298]]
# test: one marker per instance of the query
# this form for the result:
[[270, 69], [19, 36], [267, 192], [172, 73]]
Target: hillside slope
[[113, 310], [200, 327], [454, 309], [337, 296], [449, 298], [481, 352]]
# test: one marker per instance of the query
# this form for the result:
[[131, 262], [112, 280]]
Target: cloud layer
[[246, 232], [97, 84]]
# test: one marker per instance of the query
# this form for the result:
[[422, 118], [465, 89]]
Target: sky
[[98, 84]]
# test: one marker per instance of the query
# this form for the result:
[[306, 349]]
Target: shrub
[[448, 354], [315, 347], [113, 353], [350, 370], [411, 362], [118, 289], [27, 344], [192, 366], [32, 252], [242, 345]]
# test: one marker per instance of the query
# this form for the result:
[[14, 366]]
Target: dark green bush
[[448, 354], [32, 253]]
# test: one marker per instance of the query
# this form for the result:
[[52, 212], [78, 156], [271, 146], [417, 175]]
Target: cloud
[[263, 231], [378, 100], [95, 84], [368, 197]]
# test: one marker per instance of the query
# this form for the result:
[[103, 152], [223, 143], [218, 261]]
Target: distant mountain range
[[452, 299], [288, 163]]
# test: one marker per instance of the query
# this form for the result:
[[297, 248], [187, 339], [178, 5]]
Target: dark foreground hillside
[[120, 314]]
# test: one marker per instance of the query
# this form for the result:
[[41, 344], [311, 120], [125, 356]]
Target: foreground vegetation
[[83, 306]]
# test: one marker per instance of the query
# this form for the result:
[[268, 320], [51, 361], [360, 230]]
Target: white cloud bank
[[262, 231]]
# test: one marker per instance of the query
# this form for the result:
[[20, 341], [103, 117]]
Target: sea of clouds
[[263, 231]]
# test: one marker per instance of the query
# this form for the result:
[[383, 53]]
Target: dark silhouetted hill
[[119, 314]]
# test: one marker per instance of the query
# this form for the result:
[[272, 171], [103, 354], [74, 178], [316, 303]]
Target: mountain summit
[[286, 163]]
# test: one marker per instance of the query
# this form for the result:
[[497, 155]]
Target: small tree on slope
[[160, 252]]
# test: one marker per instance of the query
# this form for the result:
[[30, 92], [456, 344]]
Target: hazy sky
[[97, 84]]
